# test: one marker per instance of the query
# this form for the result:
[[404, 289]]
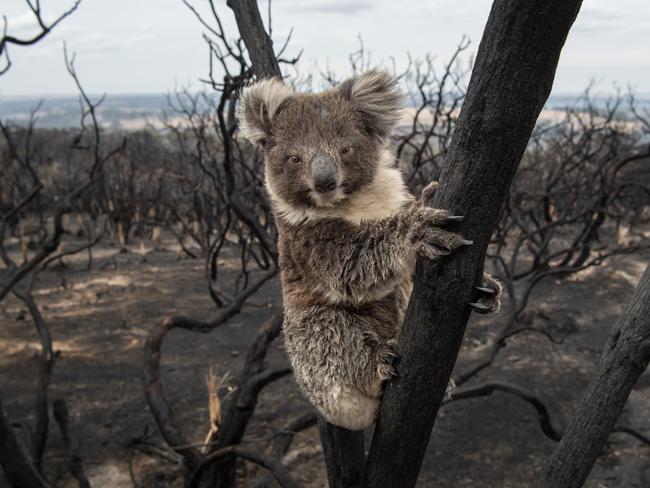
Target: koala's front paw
[[489, 300], [429, 239]]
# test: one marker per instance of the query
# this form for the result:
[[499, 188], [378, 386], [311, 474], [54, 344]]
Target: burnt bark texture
[[257, 41], [624, 359], [16, 463], [344, 455], [511, 80]]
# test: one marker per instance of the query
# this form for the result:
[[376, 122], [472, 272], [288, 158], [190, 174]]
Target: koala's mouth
[[327, 198]]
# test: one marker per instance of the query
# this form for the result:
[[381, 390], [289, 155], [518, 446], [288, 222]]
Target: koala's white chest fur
[[383, 197]]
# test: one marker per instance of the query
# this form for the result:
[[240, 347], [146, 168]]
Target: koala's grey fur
[[347, 256]]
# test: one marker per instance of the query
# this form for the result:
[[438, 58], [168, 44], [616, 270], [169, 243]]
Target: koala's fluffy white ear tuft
[[375, 96], [258, 103]]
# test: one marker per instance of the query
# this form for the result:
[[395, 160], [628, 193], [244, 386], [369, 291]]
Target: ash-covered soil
[[99, 320]]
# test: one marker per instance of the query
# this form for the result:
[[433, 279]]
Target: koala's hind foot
[[489, 295]]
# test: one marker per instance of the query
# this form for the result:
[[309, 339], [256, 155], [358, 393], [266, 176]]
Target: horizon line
[[155, 93]]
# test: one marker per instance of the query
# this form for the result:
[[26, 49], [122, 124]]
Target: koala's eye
[[346, 150], [294, 158]]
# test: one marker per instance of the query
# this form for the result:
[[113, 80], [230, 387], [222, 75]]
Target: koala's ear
[[374, 95], [258, 103]]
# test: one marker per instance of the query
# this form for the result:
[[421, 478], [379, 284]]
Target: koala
[[349, 235]]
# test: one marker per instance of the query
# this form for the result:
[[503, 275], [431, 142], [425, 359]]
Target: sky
[[155, 46]]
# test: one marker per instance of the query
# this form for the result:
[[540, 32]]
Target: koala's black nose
[[325, 186], [323, 174]]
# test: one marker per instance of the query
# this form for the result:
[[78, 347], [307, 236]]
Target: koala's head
[[320, 148]]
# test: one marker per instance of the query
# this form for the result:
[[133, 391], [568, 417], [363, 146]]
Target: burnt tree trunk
[[345, 455], [257, 41], [624, 358], [16, 463], [510, 83]]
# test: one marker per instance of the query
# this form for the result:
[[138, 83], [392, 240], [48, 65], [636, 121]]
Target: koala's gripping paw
[[388, 359], [489, 295], [429, 238]]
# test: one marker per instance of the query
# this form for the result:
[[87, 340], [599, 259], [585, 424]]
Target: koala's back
[[341, 351], [304, 286]]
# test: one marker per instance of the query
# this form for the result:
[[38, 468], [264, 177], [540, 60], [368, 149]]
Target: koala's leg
[[339, 364], [489, 300]]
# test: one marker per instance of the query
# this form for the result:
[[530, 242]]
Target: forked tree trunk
[[510, 83], [624, 358]]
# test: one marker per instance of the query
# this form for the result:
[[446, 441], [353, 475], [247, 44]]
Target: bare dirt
[[99, 320]]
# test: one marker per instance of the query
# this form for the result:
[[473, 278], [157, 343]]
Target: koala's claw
[[393, 359], [455, 218], [486, 290], [479, 307], [396, 358], [427, 193], [428, 235], [489, 300], [449, 392], [467, 242]]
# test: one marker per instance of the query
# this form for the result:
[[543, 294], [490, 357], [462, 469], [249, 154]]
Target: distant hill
[[116, 112], [132, 112]]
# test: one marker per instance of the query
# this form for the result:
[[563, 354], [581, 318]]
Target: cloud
[[79, 36], [26, 25], [102, 42], [333, 7], [84, 40], [601, 16]]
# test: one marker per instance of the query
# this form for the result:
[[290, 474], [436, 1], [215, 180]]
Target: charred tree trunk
[[510, 83], [258, 42], [16, 463], [345, 456], [625, 357]]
